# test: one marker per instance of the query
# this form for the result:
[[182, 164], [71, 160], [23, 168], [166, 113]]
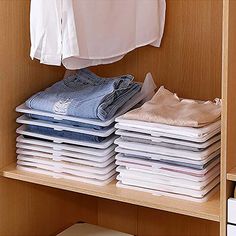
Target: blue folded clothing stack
[[68, 129]]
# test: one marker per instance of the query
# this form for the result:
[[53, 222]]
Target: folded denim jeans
[[64, 134], [69, 122], [86, 95]]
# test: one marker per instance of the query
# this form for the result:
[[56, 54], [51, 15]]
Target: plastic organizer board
[[56, 140], [80, 158], [171, 189], [163, 133], [159, 157], [165, 180], [150, 164], [63, 127], [175, 174], [58, 169], [68, 176], [61, 165], [156, 140], [66, 150], [169, 151], [164, 128], [173, 195]]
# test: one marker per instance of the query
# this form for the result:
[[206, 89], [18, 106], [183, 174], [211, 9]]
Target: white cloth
[[82, 33]]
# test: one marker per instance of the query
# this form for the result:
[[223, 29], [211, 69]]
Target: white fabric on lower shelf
[[83, 229]]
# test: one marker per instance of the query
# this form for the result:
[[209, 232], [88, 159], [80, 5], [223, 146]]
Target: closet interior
[[196, 60]]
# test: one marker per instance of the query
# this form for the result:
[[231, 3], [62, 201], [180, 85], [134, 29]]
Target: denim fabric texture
[[86, 95], [64, 134], [70, 122]]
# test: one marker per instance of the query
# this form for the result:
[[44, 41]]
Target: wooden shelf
[[232, 175], [209, 210]]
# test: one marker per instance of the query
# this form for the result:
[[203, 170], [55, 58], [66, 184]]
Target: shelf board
[[232, 175], [209, 210]]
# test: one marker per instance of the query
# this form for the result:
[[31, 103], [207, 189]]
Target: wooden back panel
[[188, 62], [189, 59]]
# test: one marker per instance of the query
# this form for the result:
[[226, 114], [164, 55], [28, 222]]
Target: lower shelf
[[209, 210], [232, 175]]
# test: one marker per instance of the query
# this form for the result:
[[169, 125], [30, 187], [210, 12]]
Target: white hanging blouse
[[82, 33]]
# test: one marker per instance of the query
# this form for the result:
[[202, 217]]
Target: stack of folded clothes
[[170, 147], [68, 129]]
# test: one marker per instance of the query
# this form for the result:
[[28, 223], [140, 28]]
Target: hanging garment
[[167, 108], [82, 33]]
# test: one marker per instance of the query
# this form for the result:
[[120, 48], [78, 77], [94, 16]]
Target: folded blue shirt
[[86, 95], [64, 134]]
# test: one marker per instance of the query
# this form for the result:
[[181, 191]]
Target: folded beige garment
[[167, 108]]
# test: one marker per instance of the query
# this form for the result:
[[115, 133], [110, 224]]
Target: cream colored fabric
[[167, 108]]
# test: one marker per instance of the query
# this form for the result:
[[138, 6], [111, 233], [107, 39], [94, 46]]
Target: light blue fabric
[[70, 122], [64, 134], [86, 95]]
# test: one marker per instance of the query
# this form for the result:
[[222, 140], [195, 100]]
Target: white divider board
[[102, 145], [160, 157], [172, 174], [172, 189], [156, 140], [58, 169], [165, 180], [60, 165], [67, 176], [169, 151], [64, 127], [150, 164], [164, 134], [172, 195], [148, 88], [70, 152], [40, 157], [171, 129], [83, 159]]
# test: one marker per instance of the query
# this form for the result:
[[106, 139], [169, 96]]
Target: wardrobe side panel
[[229, 106], [189, 59], [27, 209]]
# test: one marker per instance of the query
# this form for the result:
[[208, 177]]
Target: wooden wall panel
[[189, 59], [188, 62]]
